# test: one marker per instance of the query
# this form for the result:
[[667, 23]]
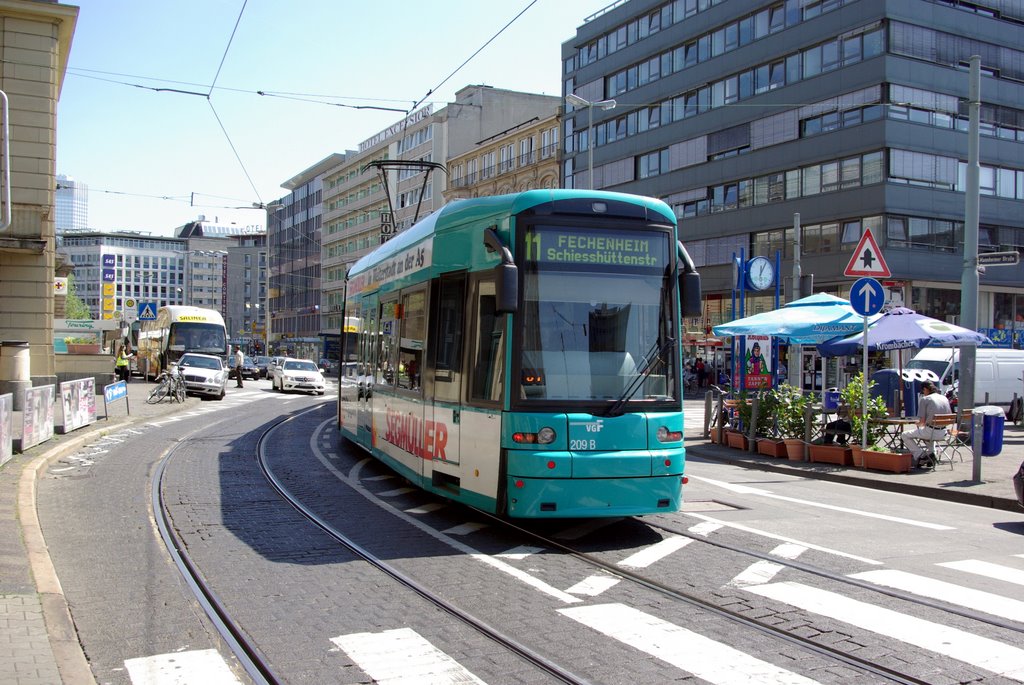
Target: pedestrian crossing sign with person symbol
[[147, 311]]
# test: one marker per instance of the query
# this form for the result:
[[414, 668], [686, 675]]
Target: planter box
[[832, 454], [83, 348], [736, 440], [858, 456], [794, 449], [771, 448], [887, 461]]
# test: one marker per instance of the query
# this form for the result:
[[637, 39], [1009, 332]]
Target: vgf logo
[[595, 426]]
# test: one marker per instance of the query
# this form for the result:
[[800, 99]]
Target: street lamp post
[[577, 101]]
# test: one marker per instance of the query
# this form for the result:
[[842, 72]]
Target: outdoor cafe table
[[892, 430]]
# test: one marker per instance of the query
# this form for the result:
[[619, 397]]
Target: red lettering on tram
[[425, 439]]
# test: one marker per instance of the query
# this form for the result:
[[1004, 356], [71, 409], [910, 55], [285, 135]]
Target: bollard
[[707, 413], [808, 416], [755, 406]]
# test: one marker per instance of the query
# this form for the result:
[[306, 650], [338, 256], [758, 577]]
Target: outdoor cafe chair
[[945, 448]]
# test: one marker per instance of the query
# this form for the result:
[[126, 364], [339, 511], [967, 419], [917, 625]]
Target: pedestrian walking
[[239, 362]]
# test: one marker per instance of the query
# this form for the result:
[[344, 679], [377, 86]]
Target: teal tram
[[520, 354]]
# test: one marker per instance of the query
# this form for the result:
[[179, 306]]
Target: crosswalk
[[400, 656]]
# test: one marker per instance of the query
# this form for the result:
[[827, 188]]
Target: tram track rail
[[826, 651], [244, 649], [498, 637]]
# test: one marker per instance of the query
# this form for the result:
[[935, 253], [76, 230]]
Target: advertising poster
[[79, 401], [6, 428], [757, 360], [37, 418]]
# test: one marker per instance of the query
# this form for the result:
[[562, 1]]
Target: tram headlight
[[665, 435], [545, 436]]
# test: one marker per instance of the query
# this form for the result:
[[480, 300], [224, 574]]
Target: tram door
[[448, 313], [366, 370]]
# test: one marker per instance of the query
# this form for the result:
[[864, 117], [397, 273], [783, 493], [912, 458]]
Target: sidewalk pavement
[[38, 644], [957, 484]]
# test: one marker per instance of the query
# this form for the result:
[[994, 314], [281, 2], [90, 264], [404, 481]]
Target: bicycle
[[170, 384]]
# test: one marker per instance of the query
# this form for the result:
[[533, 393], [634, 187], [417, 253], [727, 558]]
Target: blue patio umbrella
[[901, 328], [807, 321]]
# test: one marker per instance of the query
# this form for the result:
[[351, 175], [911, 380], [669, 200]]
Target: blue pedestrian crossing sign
[[867, 296], [147, 311]]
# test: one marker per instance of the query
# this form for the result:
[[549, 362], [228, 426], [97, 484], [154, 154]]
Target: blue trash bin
[[830, 399], [991, 429]]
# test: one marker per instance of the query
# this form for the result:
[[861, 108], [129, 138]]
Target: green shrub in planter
[[853, 397]]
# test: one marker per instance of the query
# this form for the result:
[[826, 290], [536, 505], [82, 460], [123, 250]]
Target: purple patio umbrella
[[899, 329]]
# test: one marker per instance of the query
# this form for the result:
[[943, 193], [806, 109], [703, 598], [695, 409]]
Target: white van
[[997, 372]]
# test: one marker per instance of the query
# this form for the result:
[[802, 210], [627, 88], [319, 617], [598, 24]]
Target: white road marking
[[705, 529], [396, 492], [594, 585], [353, 481], [520, 552], [682, 648], [990, 603], [789, 550], [987, 569], [402, 657], [465, 528], [180, 668], [978, 651], [655, 552], [747, 490], [426, 508], [782, 538], [758, 573]]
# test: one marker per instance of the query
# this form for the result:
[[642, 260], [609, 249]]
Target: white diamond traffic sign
[[867, 259]]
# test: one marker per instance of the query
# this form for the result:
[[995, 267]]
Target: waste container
[[830, 399], [887, 386], [991, 429]]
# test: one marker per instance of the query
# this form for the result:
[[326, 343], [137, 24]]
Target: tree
[[74, 307]]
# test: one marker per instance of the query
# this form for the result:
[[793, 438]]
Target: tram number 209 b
[[583, 444]]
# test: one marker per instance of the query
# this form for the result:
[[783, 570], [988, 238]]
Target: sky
[[156, 159]]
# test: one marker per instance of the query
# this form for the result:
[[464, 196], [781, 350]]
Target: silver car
[[205, 375]]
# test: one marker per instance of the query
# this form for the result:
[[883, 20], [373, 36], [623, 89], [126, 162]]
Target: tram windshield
[[597, 307]]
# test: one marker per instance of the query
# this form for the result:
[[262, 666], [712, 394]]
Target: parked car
[[261, 363], [300, 375], [249, 370], [205, 375]]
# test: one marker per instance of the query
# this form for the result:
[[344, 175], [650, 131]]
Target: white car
[[299, 375], [205, 375]]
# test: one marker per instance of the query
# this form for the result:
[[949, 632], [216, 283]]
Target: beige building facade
[[36, 41]]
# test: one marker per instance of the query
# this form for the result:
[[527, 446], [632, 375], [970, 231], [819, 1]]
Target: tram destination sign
[[557, 245], [999, 259]]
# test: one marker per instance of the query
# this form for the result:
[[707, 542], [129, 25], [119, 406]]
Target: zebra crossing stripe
[[703, 657], [957, 644], [655, 552], [196, 666], [958, 595], [402, 657], [594, 585], [987, 569]]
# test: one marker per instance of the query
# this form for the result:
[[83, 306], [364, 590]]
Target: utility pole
[[796, 351], [969, 279]]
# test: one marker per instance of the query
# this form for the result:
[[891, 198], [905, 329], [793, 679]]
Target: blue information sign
[[867, 296], [115, 391]]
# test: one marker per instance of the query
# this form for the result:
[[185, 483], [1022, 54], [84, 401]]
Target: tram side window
[[446, 338], [387, 355], [410, 349], [488, 346]]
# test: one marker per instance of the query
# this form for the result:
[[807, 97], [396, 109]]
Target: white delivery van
[[997, 372]]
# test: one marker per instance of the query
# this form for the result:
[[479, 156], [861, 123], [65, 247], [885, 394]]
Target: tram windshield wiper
[[654, 356]]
